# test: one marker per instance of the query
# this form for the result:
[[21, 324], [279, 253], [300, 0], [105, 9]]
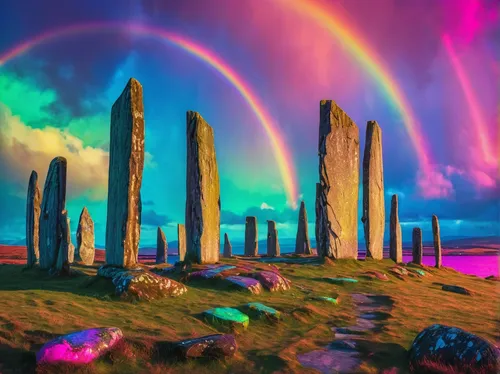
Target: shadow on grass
[[16, 360], [383, 356], [267, 363]]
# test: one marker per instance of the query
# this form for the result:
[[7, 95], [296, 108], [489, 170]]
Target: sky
[[426, 70]]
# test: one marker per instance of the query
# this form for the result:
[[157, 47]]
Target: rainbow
[[281, 152], [324, 16]]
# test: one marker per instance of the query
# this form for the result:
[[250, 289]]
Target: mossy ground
[[35, 308]]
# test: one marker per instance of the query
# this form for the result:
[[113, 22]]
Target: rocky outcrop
[[273, 245], [228, 248], [417, 246], [181, 240], [216, 346], [272, 281], [161, 247], [203, 193], [245, 283], [338, 151], [373, 192], [32, 219], [85, 240], [126, 163], [71, 247], [230, 317], [51, 213], [437, 241], [251, 237], [395, 237], [302, 243], [62, 264]]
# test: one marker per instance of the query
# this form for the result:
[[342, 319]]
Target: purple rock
[[272, 281], [250, 284], [211, 272]]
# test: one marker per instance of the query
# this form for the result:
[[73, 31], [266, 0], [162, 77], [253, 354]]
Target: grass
[[35, 308]]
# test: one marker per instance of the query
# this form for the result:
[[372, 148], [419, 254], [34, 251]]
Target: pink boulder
[[273, 281]]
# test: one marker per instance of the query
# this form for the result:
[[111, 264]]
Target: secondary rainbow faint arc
[[281, 153]]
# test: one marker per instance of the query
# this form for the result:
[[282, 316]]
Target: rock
[[437, 241], [325, 298], [376, 275], [452, 350], [341, 280], [203, 193], [302, 243], [85, 242], [181, 239], [53, 204], [62, 263], [273, 281], [251, 237], [32, 219], [211, 273], [395, 240], [273, 244], [417, 246], [249, 284], [318, 221], [81, 347], [227, 316], [262, 310], [373, 192], [228, 248], [71, 247], [161, 247], [493, 278], [126, 163], [398, 271], [212, 346], [338, 151], [456, 289]]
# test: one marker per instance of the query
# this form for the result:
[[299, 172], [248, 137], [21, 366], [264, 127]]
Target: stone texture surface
[[228, 248], [373, 192], [317, 221], [227, 316], [212, 346], [211, 273], [71, 247], [338, 150], [417, 246], [273, 244], [272, 281], [81, 347], [251, 237], [126, 163], [249, 284], [161, 247], [395, 237], [262, 310], [32, 219], [302, 242], [456, 289], [341, 280], [85, 240], [53, 204], [437, 241], [454, 348], [203, 193], [181, 240], [62, 264]]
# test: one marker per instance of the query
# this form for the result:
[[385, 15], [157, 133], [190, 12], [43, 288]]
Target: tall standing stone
[[228, 248], [318, 220], [437, 241], [302, 243], [161, 247], [417, 246], [373, 192], [126, 163], [395, 240], [53, 204], [202, 192], [338, 150], [181, 241], [71, 246], [62, 259], [251, 237], [273, 245], [32, 219], [85, 240]]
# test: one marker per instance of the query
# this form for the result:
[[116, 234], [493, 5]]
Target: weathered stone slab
[[249, 284], [273, 281], [212, 346], [273, 245], [251, 237], [181, 240], [395, 240], [338, 150], [302, 242], [161, 247], [341, 280], [211, 273], [373, 192], [71, 247], [437, 241], [126, 164], [62, 263], [456, 289], [417, 246], [203, 193], [33, 219], [228, 248], [326, 299], [227, 316], [262, 310], [81, 347], [376, 275], [85, 241]]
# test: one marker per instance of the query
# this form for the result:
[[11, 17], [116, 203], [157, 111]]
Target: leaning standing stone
[[251, 237], [71, 247], [228, 248], [85, 241], [437, 240], [126, 163], [32, 219], [181, 240], [273, 245], [395, 240], [417, 246], [62, 265], [302, 243], [161, 247]]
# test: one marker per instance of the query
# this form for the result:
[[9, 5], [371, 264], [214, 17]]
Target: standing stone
[[126, 163], [437, 240], [251, 237], [302, 243], [395, 240], [181, 240], [53, 204], [71, 247], [161, 247], [373, 192], [85, 240], [228, 248], [318, 220], [417, 246], [203, 192], [338, 150], [273, 245], [62, 264], [32, 219]]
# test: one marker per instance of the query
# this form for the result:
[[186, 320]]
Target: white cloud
[[265, 206]]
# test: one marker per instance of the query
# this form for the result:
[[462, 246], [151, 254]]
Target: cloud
[[433, 184], [265, 206], [287, 215], [151, 218]]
